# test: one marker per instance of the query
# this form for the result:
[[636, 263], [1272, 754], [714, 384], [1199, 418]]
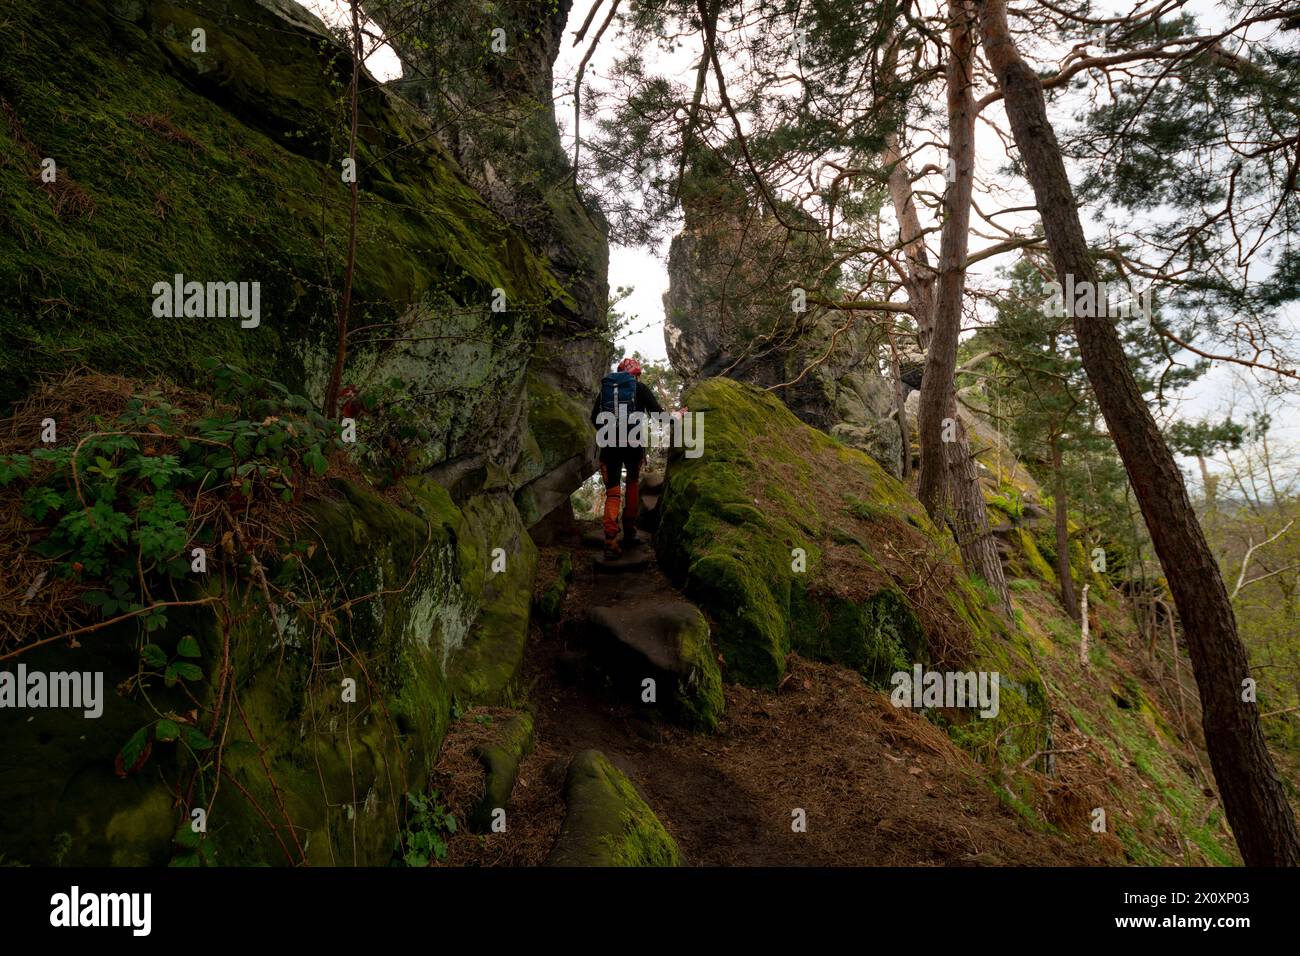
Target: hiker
[[622, 388]]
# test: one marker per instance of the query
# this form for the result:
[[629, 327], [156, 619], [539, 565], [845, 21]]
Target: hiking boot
[[631, 539], [612, 551]]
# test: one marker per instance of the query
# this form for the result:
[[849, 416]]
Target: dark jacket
[[644, 401]]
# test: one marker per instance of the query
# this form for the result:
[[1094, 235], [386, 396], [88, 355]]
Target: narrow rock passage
[[822, 771]]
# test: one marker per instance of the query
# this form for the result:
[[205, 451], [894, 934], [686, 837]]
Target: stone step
[[663, 638], [635, 558]]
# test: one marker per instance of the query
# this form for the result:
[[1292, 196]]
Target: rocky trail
[[821, 771]]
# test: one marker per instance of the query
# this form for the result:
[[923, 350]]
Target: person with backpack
[[622, 393]]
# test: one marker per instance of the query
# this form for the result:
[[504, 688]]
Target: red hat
[[630, 365]]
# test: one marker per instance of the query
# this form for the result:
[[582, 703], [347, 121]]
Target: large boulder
[[315, 773], [664, 641], [500, 758], [223, 165], [729, 310], [789, 540], [238, 151]]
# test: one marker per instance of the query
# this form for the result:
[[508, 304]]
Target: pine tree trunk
[[1253, 798], [1062, 533], [970, 518], [948, 485], [900, 406], [920, 277], [938, 399]]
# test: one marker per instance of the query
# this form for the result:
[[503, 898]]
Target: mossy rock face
[[607, 822], [224, 165], [550, 603], [876, 637], [404, 616], [558, 449], [789, 540], [486, 666]]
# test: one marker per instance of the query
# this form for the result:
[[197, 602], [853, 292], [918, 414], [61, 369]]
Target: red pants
[[612, 463]]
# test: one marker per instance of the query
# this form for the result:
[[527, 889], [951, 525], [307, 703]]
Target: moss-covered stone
[[486, 666], [224, 166], [501, 758], [393, 599], [607, 822], [664, 641], [790, 540], [551, 602], [558, 448]]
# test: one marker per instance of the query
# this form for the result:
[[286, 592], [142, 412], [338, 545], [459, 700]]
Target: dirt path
[[878, 786]]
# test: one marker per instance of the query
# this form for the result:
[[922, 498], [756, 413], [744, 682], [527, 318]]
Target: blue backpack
[[617, 388]]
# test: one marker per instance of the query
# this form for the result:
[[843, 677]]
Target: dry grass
[[66, 195], [166, 129], [536, 805]]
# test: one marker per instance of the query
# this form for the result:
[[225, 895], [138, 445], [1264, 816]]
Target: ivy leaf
[[153, 655], [134, 753], [166, 730], [188, 647], [186, 837], [181, 670], [195, 738]]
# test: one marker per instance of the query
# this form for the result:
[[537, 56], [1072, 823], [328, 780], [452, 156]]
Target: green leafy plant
[[121, 509], [428, 823], [168, 728]]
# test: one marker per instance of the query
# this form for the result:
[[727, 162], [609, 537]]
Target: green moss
[[876, 637], [550, 604], [731, 534], [558, 432], [224, 166], [1033, 559], [1009, 504], [608, 823], [557, 421], [398, 595], [1022, 809], [501, 759], [698, 702], [487, 663]]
